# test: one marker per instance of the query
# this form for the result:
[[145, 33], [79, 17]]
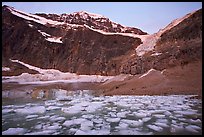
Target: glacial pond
[[76, 112]]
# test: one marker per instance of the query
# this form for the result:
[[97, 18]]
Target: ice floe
[[193, 128], [155, 128], [133, 123], [146, 119], [176, 128], [14, 131], [31, 110], [109, 115], [44, 132], [4, 111], [53, 107], [31, 116], [113, 119]]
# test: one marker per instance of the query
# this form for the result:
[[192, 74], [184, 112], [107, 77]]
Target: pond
[[74, 112]]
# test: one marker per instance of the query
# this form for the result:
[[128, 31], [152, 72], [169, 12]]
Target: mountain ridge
[[92, 50]]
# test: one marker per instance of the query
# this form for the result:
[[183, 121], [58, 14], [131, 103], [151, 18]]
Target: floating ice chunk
[[113, 120], [5, 111], [97, 99], [123, 104], [39, 126], [133, 132], [64, 98], [122, 114], [156, 111], [14, 131], [176, 128], [162, 120], [164, 125], [54, 127], [50, 103], [71, 110], [52, 108], [102, 131], [93, 132], [45, 132], [57, 118], [146, 119], [98, 121], [68, 123], [178, 115], [167, 113], [123, 125], [187, 113], [31, 116], [86, 125], [73, 130], [88, 116], [193, 128], [133, 123], [112, 114], [31, 110], [159, 116], [155, 128], [140, 115], [43, 117], [74, 122], [136, 106], [80, 132], [7, 107], [94, 106], [195, 121]]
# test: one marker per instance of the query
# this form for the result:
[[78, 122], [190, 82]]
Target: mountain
[[178, 44], [87, 43], [76, 48]]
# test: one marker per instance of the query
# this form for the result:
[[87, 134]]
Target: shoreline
[[183, 80]]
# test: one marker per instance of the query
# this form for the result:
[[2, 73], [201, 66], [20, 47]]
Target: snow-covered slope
[[53, 75]]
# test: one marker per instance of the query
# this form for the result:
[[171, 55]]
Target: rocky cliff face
[[178, 44], [86, 43], [67, 47]]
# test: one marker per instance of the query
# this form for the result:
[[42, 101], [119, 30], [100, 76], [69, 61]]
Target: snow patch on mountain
[[52, 76], [5, 69], [86, 14], [111, 33], [55, 39], [149, 42], [32, 17]]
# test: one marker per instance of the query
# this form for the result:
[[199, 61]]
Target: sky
[[147, 16]]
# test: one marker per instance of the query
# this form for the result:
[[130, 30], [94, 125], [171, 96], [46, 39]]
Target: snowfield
[[52, 76]]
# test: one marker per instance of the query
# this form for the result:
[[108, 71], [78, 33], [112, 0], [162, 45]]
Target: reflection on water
[[73, 112]]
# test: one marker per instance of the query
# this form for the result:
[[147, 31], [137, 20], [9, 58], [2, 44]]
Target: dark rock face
[[180, 45], [82, 50]]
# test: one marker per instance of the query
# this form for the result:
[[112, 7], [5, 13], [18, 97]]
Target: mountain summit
[[94, 21]]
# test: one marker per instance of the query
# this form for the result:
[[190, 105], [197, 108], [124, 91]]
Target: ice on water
[[112, 115]]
